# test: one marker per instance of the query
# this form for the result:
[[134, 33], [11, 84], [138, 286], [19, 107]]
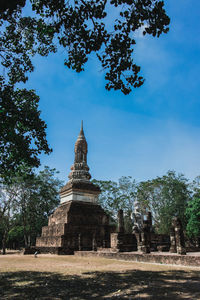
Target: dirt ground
[[69, 277]]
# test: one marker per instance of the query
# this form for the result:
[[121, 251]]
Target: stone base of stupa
[[75, 225], [79, 190]]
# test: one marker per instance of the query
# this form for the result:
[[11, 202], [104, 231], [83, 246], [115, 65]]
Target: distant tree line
[[167, 196], [27, 201]]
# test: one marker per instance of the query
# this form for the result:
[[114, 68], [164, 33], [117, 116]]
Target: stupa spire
[[82, 132], [80, 169], [79, 187]]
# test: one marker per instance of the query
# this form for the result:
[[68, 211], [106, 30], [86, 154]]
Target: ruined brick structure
[[177, 237], [122, 241], [79, 223]]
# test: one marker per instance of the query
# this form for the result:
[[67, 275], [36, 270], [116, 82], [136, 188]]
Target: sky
[[154, 129]]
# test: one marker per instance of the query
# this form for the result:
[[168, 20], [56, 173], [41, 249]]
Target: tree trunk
[[29, 240], [4, 243], [25, 240]]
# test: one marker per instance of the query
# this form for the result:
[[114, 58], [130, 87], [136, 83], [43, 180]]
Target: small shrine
[[79, 223]]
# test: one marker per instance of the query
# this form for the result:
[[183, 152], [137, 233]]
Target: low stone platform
[[191, 259]]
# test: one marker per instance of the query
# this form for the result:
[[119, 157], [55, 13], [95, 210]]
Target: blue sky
[[144, 134]]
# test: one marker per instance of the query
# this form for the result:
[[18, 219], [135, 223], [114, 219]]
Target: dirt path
[[69, 277]]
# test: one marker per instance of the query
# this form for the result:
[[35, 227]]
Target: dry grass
[[71, 277]]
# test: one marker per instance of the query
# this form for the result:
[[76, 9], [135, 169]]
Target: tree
[[81, 27], [193, 217], [118, 195], [35, 197], [165, 197], [193, 211], [7, 207], [15, 239], [103, 27], [22, 132]]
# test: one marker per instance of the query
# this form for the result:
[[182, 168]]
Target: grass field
[[69, 277]]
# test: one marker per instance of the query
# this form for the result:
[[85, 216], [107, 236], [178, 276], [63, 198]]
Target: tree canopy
[[22, 131], [25, 205], [193, 216], [193, 211], [165, 197], [118, 195], [103, 27]]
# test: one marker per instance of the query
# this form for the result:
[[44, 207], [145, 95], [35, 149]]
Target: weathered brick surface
[[51, 241], [123, 242], [55, 250], [76, 225], [80, 186], [53, 230]]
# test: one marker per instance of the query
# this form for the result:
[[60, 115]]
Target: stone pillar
[[104, 243], [94, 243], [120, 221], [172, 241], [146, 238], [137, 234], [177, 237], [149, 219], [180, 239], [79, 242]]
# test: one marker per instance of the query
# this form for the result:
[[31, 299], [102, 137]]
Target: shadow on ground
[[101, 285]]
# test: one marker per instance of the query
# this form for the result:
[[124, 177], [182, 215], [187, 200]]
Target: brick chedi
[[80, 187], [79, 222]]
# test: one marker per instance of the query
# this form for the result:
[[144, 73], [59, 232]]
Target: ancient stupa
[[79, 223], [79, 187]]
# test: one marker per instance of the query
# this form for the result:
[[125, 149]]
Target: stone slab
[[190, 259], [79, 196]]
